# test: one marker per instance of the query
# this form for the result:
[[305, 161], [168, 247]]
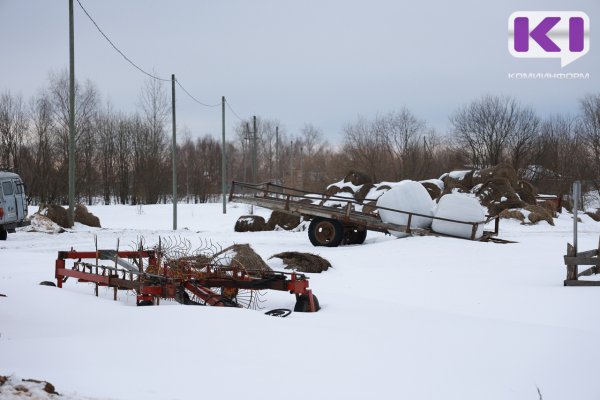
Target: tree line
[[126, 157]]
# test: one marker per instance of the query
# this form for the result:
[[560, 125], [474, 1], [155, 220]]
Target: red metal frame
[[151, 287]]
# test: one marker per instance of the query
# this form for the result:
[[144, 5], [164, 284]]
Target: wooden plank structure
[[297, 202], [573, 260]]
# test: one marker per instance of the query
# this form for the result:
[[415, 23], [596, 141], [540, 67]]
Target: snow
[[338, 200], [408, 196], [438, 182], [457, 175], [460, 207], [341, 184], [417, 318], [41, 223]]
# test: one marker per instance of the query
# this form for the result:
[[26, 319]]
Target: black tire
[[48, 283], [355, 236], [3, 234], [303, 303], [325, 232], [145, 303]]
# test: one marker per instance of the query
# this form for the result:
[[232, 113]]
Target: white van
[[13, 203]]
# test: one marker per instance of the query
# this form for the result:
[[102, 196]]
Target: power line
[[116, 48], [232, 110], [193, 98], [149, 74]]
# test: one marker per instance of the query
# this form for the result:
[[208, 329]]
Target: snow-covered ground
[[412, 318]]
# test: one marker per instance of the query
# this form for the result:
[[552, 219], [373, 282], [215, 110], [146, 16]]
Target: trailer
[[345, 223]]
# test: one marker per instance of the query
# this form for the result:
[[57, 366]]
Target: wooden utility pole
[[254, 151], [223, 161], [174, 155], [71, 115], [301, 167], [277, 163]]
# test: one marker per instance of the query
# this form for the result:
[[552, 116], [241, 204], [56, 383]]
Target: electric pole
[[223, 162], [174, 155], [301, 167], [277, 164], [71, 116], [254, 177]]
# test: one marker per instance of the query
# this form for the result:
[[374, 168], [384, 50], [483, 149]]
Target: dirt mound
[[498, 171], [497, 194], [358, 178], [284, 220], [433, 189], [57, 214], [83, 216], [538, 213], [250, 223], [303, 262], [512, 214]]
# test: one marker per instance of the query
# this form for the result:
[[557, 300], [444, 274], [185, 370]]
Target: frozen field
[[413, 318]]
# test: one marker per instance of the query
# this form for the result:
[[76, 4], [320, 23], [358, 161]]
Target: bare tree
[[13, 129], [42, 174], [150, 144], [494, 128], [590, 128]]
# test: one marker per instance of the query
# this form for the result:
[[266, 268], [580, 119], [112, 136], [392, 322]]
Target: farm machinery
[[212, 278]]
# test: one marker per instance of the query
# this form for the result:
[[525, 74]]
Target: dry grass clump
[[250, 223], [497, 194], [83, 216], [361, 194], [539, 213], [303, 262], [594, 215], [526, 192], [358, 178], [283, 220], [433, 190], [244, 256], [57, 214], [512, 214], [370, 207], [498, 171]]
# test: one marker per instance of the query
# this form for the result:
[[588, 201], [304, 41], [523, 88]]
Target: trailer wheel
[[355, 236], [325, 232], [3, 234], [303, 303], [145, 303]]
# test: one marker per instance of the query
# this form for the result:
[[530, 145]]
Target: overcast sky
[[323, 62]]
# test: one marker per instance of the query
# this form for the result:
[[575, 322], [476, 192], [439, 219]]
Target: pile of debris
[[52, 218], [497, 188], [12, 387], [277, 221]]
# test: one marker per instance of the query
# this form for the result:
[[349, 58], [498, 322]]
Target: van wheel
[[3, 234]]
